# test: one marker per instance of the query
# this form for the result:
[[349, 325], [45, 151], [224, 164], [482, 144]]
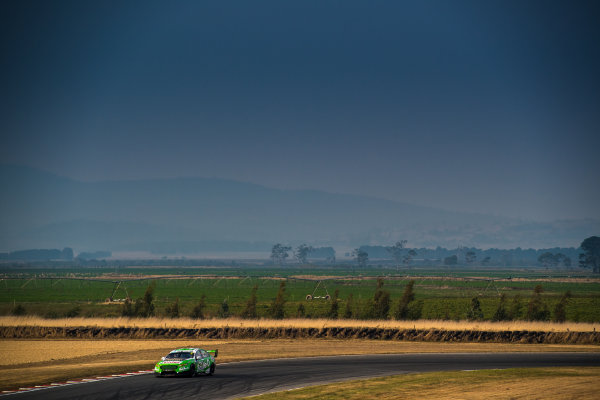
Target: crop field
[[444, 296]]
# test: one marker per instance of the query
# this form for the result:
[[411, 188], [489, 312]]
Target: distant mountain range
[[191, 215]]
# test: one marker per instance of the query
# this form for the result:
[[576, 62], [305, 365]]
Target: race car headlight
[[184, 366]]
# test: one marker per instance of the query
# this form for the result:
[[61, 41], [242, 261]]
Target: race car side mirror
[[162, 358]]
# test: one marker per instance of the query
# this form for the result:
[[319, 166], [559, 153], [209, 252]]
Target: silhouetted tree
[[590, 258], [300, 311], [470, 257], [410, 254], [397, 251], [548, 259], [67, 253], [279, 253], [451, 260], [302, 253], [361, 257]]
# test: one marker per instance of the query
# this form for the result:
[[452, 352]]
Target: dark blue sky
[[488, 106]]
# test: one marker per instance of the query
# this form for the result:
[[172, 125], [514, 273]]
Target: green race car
[[187, 362]]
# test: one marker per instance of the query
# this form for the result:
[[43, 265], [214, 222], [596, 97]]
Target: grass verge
[[515, 383]]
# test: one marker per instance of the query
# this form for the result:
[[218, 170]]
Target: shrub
[[415, 309], [537, 310], [127, 309], [560, 312], [73, 312], [18, 309], [349, 306], [198, 310], [172, 310], [333, 309], [516, 308], [501, 313], [475, 313], [277, 311], [250, 310], [407, 297], [51, 315], [380, 306], [144, 307], [224, 310]]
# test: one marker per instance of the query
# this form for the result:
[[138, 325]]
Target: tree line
[[588, 254], [280, 253]]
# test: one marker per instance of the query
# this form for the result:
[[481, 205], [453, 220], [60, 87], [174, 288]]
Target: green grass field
[[57, 292]]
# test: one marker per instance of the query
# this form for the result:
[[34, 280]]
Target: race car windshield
[[180, 355]]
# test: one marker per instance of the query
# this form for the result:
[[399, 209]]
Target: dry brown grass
[[25, 351], [299, 323]]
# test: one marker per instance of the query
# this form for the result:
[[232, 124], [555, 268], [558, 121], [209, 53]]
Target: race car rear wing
[[213, 352]]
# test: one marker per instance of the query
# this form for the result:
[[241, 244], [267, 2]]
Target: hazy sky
[[488, 106]]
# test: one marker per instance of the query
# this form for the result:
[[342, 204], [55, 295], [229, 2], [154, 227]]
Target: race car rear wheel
[[212, 369]]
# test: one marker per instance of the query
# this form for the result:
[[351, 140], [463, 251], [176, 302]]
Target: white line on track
[[73, 382]]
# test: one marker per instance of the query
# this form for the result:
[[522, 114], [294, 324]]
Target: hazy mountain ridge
[[40, 209]]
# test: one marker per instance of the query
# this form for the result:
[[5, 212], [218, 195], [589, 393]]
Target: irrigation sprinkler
[[312, 295], [116, 286]]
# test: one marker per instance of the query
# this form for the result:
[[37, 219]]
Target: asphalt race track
[[254, 377]]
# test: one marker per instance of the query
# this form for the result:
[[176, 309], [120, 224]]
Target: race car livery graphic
[[187, 362]]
